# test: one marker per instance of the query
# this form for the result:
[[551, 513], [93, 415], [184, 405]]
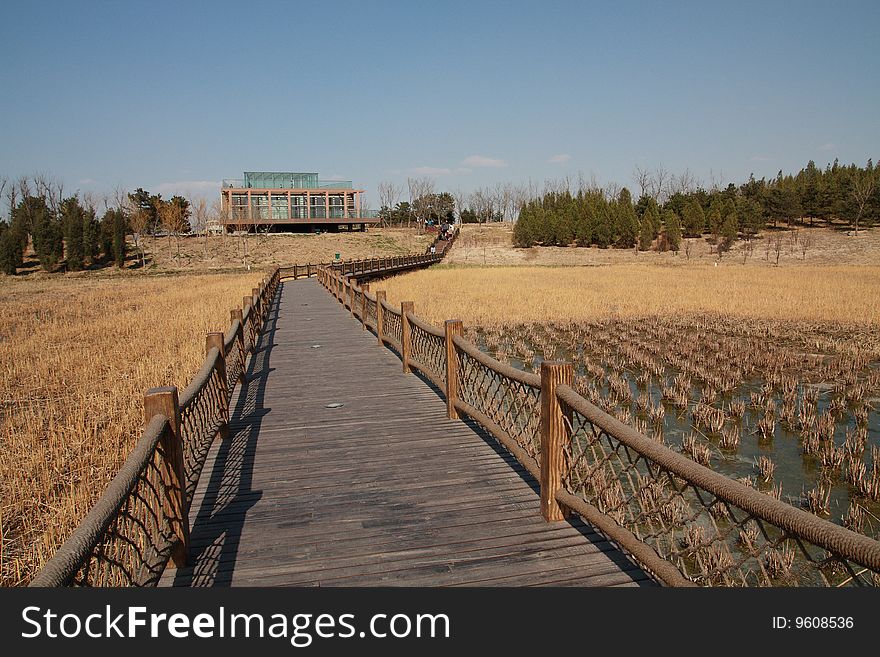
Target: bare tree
[[520, 196], [138, 221], [419, 190], [642, 178], [199, 208], [658, 184], [3, 183], [389, 195], [174, 221], [462, 200], [778, 246], [806, 243], [861, 190], [683, 183], [53, 192]]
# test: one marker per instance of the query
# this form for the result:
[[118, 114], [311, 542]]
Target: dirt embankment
[[492, 244]]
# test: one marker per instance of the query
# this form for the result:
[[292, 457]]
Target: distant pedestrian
[[433, 249]]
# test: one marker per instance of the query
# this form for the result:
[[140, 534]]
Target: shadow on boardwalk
[[381, 489], [228, 495]]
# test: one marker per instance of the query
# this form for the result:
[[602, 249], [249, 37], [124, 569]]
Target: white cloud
[[431, 171], [561, 158], [189, 187], [759, 158], [830, 146], [86, 181], [483, 161], [463, 170]]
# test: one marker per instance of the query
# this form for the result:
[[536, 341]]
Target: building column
[[345, 205], [289, 212], [250, 210], [326, 205], [308, 205]]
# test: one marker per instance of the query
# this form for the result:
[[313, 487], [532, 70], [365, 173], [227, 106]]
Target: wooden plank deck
[[383, 491]]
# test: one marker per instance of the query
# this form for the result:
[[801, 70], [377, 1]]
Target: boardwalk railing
[[362, 268], [141, 522], [682, 522]]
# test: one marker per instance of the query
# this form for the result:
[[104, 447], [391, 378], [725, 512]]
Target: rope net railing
[[716, 531], [203, 413], [127, 536], [392, 328], [141, 522], [684, 524], [507, 397], [428, 352]]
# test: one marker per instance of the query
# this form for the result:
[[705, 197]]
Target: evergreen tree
[[728, 232], [48, 239], [693, 219], [750, 215], [652, 216], [10, 249], [626, 224], [91, 236], [72, 216], [603, 229], [714, 217], [120, 229], [646, 234], [673, 229]]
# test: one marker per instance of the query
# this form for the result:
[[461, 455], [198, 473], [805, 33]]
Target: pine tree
[[652, 218], [673, 229], [73, 215], [714, 218], [728, 232], [120, 229], [694, 219], [91, 236], [10, 250], [646, 234], [48, 239]]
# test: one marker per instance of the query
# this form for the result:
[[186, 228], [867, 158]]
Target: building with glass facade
[[287, 200]]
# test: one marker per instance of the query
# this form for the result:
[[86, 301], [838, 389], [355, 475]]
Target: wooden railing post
[[215, 339], [236, 314], [380, 314], [405, 334], [258, 306], [163, 401], [352, 282], [365, 287], [554, 433], [453, 327]]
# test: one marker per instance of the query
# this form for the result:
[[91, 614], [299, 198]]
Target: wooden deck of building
[[381, 491]]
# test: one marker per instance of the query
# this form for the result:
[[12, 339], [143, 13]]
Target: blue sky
[[175, 96]]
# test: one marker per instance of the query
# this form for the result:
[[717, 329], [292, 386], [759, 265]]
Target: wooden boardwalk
[[382, 491]]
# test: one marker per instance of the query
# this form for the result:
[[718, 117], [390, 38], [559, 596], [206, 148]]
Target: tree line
[[66, 233], [837, 195]]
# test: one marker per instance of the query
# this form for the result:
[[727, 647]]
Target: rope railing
[[684, 524], [140, 523], [715, 530], [392, 328]]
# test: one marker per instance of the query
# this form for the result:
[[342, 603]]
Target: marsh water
[[798, 469]]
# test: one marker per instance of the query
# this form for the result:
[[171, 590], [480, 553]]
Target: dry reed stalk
[[78, 355]]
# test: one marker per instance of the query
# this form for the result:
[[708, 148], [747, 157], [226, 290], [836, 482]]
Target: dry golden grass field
[[511, 295], [76, 355]]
